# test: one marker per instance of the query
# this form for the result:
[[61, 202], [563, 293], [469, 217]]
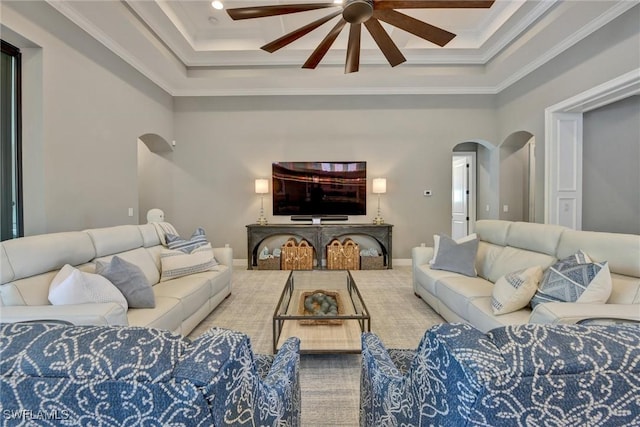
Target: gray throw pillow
[[456, 257], [130, 280]]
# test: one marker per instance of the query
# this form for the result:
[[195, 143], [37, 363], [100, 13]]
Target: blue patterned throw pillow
[[197, 239], [575, 279]]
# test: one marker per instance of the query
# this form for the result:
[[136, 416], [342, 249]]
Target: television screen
[[319, 188]]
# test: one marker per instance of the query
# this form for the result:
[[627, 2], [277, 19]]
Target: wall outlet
[[130, 211], [427, 193], [505, 208]]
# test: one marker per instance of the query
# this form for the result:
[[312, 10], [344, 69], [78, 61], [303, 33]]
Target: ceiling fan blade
[[263, 11], [325, 44], [433, 4], [412, 25], [352, 64], [384, 42], [295, 35]]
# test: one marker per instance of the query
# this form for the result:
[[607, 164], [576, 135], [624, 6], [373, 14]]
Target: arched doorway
[[517, 179], [472, 176], [154, 185]]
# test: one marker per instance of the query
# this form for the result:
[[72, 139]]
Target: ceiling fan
[[356, 13]]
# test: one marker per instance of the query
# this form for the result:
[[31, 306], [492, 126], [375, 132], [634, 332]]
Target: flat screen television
[[319, 189]]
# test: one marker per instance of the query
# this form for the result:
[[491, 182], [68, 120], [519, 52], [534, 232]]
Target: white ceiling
[[190, 49]]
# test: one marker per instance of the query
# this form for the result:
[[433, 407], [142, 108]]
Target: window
[[11, 225]]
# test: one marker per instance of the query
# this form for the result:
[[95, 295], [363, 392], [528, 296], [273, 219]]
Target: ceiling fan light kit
[[355, 13]]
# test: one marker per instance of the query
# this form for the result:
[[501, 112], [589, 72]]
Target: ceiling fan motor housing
[[357, 11]]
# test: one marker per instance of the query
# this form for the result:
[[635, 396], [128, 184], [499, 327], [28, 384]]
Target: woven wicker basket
[[372, 262], [269, 263], [343, 256], [296, 256]]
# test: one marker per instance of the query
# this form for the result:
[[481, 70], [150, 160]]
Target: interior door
[[460, 196]]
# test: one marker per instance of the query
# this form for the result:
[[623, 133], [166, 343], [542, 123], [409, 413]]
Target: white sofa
[[29, 264], [505, 247]]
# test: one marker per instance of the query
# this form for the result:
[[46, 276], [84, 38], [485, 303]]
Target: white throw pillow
[[72, 286], [175, 263], [436, 244], [513, 291]]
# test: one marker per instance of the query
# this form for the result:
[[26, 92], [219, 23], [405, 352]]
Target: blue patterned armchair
[[547, 375], [55, 375]]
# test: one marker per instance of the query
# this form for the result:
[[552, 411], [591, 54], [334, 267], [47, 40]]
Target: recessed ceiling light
[[217, 4], [337, 1]]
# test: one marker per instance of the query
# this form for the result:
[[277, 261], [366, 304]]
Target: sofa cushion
[[621, 251], [513, 291], [39, 254], [141, 258], [72, 286], [167, 315], [456, 257], [493, 231], [480, 314], [130, 280], [513, 259], [575, 279], [535, 237], [150, 235], [486, 257], [113, 240], [192, 291], [624, 289], [428, 277], [457, 292]]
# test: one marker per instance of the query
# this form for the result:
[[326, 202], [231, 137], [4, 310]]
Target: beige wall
[[84, 110], [223, 144]]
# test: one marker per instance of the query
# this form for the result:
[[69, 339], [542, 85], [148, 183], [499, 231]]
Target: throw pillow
[[513, 291], [197, 239], [130, 280], [175, 263], [436, 244], [72, 286], [575, 279], [456, 257]]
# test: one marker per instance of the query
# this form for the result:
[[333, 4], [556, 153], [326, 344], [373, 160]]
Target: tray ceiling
[[191, 49]]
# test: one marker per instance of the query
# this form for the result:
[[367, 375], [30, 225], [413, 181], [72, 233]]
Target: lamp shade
[[379, 185], [262, 186]]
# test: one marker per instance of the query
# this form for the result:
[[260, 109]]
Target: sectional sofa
[[505, 247], [28, 266]]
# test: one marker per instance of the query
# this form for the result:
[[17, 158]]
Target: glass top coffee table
[[324, 309]]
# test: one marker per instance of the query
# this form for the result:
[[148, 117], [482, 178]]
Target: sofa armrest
[[78, 314], [224, 255], [420, 255], [567, 312]]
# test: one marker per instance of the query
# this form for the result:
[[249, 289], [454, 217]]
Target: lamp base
[[378, 220], [262, 221]]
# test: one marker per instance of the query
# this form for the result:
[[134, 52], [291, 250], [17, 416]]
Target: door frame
[[563, 146], [472, 187]]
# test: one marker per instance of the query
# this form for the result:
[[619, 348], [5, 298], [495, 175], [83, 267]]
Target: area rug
[[330, 384]]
